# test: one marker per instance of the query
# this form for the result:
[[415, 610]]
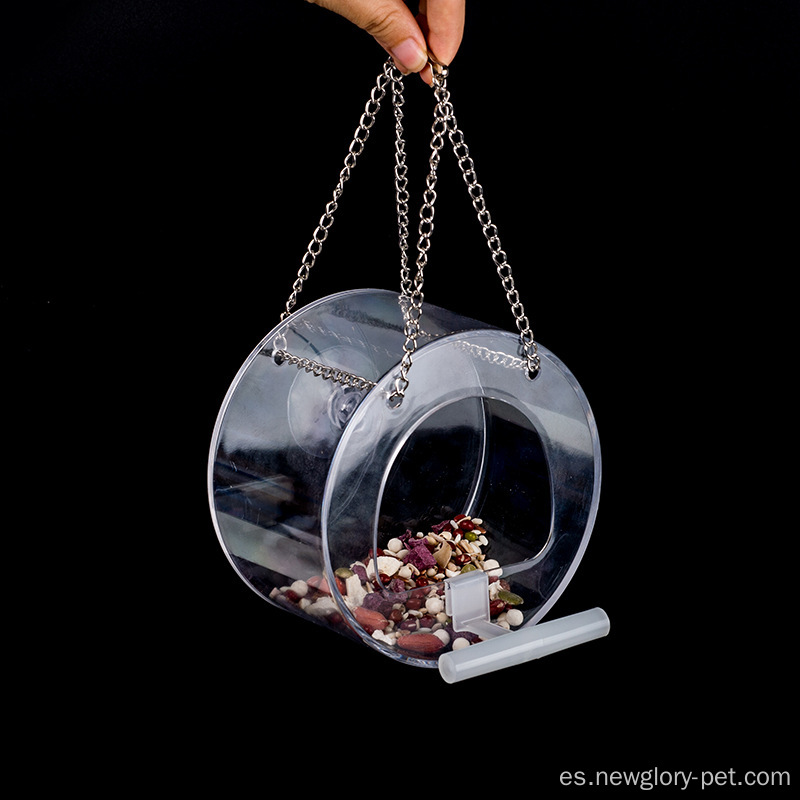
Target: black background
[[165, 164]]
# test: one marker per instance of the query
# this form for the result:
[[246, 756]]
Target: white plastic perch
[[467, 602]]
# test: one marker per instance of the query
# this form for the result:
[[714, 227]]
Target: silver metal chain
[[412, 289], [499, 256], [444, 124], [400, 177], [324, 371], [365, 123], [389, 76]]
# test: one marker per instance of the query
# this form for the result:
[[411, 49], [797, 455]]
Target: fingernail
[[410, 57]]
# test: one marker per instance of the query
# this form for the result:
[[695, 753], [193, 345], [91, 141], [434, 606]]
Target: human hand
[[436, 32]]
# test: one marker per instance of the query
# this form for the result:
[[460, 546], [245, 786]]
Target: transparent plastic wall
[[320, 492]]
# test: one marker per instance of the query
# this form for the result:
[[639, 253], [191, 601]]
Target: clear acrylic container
[[388, 522]]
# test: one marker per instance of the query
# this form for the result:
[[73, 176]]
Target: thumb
[[391, 24]]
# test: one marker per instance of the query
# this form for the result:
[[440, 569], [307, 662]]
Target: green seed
[[344, 573], [509, 597], [471, 536], [468, 568]]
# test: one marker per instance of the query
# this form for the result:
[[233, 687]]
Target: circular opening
[[474, 437], [468, 487]]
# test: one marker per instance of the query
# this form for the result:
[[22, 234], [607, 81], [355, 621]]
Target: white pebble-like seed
[[354, 590], [322, 606], [386, 565], [460, 643], [514, 617], [395, 545], [443, 635], [492, 566], [434, 605]]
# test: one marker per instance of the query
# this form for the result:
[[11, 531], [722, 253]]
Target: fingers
[[437, 31], [391, 24], [442, 22]]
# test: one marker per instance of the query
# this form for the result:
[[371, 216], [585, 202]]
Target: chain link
[[389, 76], [401, 180], [412, 290], [323, 371], [499, 256], [365, 123], [411, 296]]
